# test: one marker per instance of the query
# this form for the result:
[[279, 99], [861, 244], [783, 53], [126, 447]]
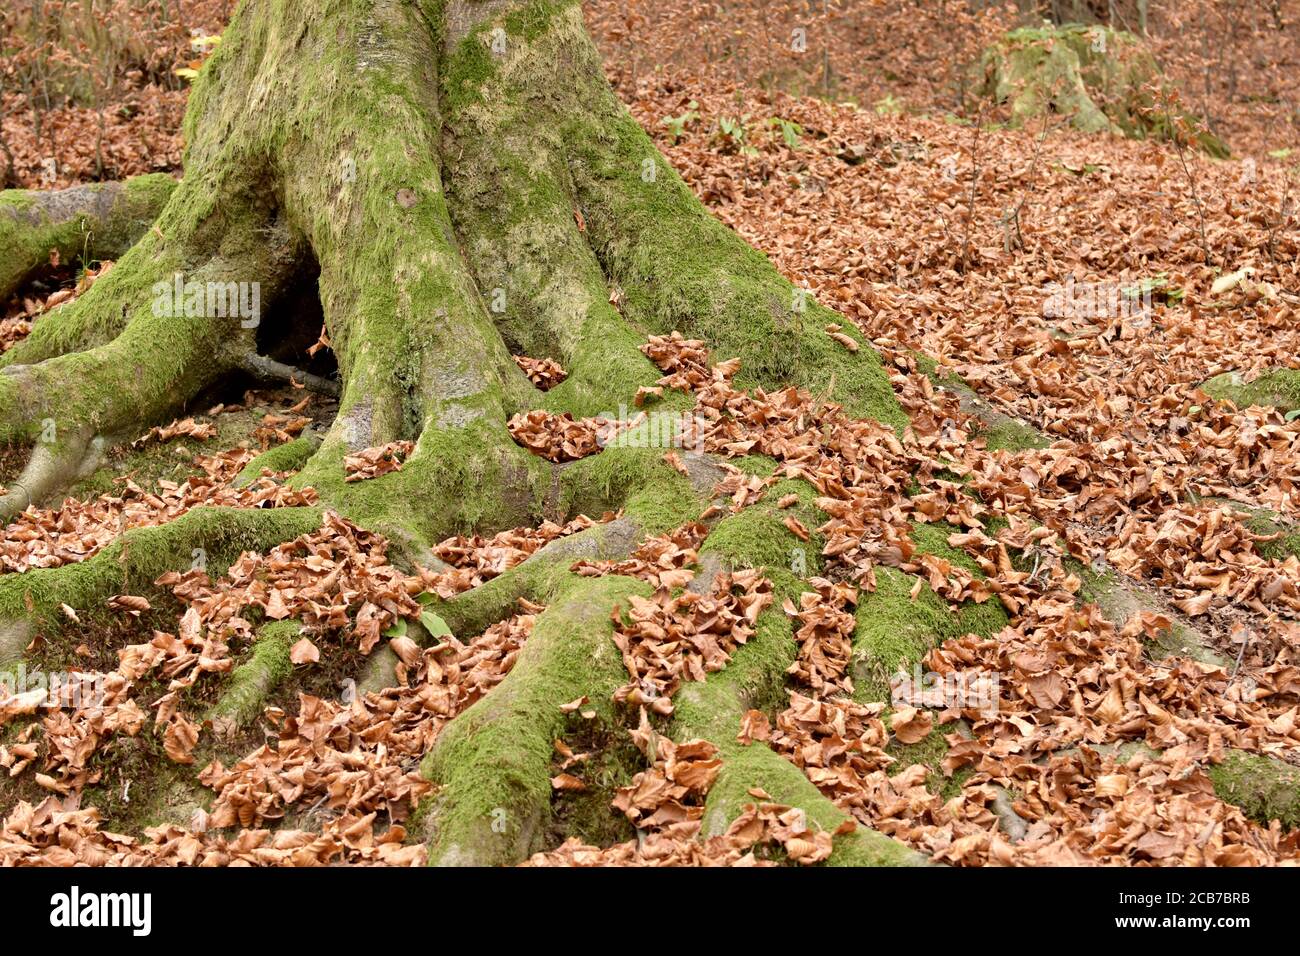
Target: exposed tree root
[[252, 681], [268, 371], [31, 601], [95, 221], [52, 466], [493, 761]]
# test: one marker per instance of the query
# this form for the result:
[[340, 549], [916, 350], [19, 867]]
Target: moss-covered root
[[51, 467], [1265, 788], [86, 223], [253, 680], [539, 577], [895, 631], [682, 269], [1279, 388], [30, 602], [755, 679], [712, 711], [289, 456], [170, 320], [1000, 431], [1119, 597], [492, 763]]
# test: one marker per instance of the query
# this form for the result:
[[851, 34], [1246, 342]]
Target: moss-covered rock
[[1100, 78], [1265, 789], [1278, 388]]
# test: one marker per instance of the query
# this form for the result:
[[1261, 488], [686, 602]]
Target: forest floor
[[1049, 305]]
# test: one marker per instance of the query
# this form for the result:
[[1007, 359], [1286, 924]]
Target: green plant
[[790, 130], [677, 124]]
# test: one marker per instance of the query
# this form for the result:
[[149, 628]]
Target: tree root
[[94, 221], [493, 761], [270, 372], [30, 602], [290, 456], [754, 679], [52, 466], [254, 680]]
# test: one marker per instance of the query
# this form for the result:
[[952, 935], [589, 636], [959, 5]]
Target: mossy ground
[[1265, 789], [1277, 388]]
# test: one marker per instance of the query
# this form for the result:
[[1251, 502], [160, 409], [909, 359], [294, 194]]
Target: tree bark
[[468, 186]]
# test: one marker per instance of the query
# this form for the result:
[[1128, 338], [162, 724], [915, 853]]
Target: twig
[[974, 184]]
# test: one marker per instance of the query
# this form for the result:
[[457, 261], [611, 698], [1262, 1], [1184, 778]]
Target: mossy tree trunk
[[467, 185]]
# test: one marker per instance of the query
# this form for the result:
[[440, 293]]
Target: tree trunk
[[468, 186]]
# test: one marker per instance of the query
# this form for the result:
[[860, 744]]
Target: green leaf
[[426, 597], [435, 625], [1293, 415], [396, 630]]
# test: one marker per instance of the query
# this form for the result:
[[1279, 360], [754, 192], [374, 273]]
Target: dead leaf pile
[[545, 373], [380, 460]]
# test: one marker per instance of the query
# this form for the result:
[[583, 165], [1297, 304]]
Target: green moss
[[937, 375], [755, 678], [932, 538], [929, 752], [266, 667], [452, 483], [760, 465], [540, 579], [290, 456], [894, 632], [139, 556], [758, 538], [141, 787], [1007, 434], [636, 479], [493, 762], [1264, 788], [1278, 388], [756, 765], [586, 814], [683, 270], [1280, 548]]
